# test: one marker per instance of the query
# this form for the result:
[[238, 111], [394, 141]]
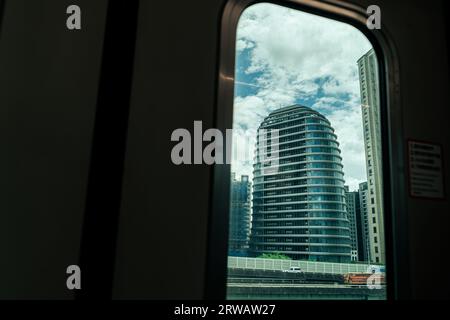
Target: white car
[[294, 270]]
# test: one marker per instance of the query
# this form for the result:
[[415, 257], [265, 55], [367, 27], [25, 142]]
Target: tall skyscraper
[[298, 196], [363, 244], [239, 216], [370, 106], [352, 203]]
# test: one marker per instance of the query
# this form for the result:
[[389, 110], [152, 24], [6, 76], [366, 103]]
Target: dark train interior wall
[[49, 93], [49, 82]]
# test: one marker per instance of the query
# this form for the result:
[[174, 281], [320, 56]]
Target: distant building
[[363, 225], [299, 203], [239, 216], [352, 204], [370, 105]]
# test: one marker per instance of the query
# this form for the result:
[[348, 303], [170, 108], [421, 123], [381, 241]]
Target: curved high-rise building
[[298, 196]]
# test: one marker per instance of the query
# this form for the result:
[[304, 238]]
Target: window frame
[[393, 145]]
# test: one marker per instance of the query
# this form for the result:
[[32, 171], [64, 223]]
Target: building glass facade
[[363, 244], [352, 201], [298, 188], [239, 231]]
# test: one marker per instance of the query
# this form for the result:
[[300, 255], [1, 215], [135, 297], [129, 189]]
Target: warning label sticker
[[426, 178]]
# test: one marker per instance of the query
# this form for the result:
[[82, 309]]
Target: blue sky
[[283, 57]]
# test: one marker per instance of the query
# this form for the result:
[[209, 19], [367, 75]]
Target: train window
[[306, 142]]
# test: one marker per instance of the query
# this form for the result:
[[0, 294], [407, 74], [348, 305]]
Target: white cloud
[[241, 45], [290, 53], [291, 46]]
